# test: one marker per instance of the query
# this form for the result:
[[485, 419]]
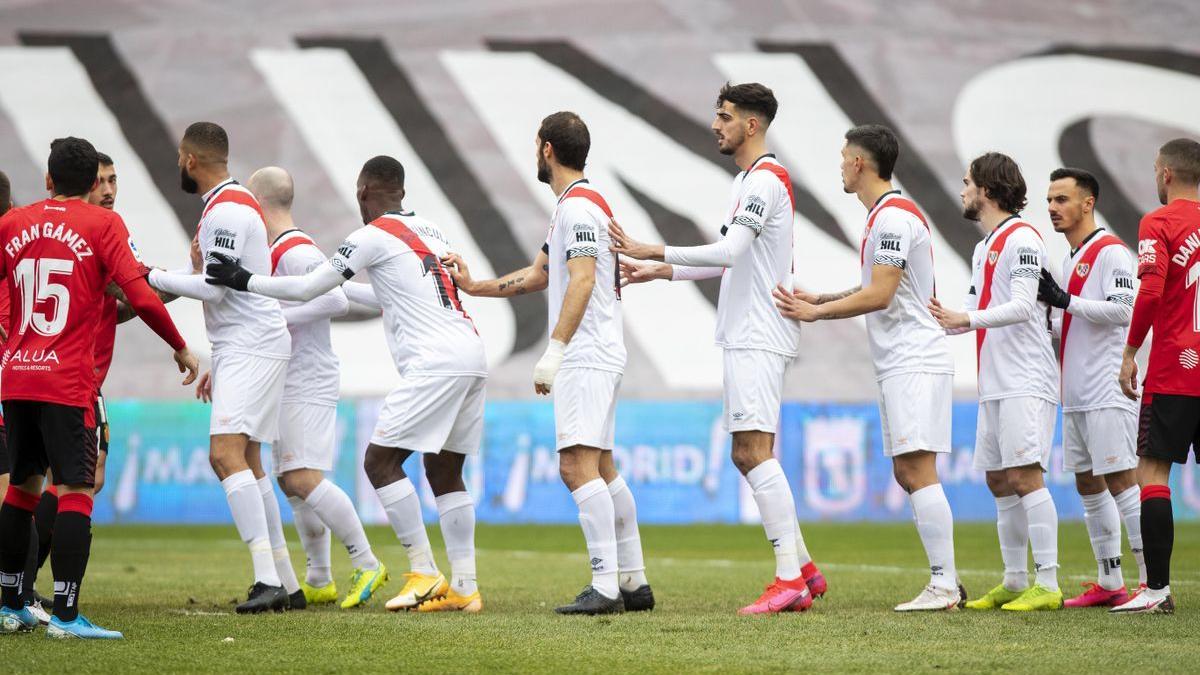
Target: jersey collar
[[1083, 243], [406, 214], [755, 162], [999, 227], [882, 198], [581, 181], [284, 234], [220, 186]]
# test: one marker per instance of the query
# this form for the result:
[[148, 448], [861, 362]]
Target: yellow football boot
[[322, 595], [453, 602], [1038, 597], [418, 588], [363, 584], [994, 598]]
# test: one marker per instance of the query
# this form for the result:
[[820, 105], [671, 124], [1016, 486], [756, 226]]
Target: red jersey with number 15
[[58, 257], [1169, 247]]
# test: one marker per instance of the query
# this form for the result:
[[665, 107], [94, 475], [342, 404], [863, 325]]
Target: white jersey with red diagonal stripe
[[232, 224], [1018, 359], [904, 337], [579, 229], [1091, 351], [429, 333], [747, 317], [313, 374]]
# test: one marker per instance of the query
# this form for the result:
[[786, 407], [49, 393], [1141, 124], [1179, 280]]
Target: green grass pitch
[[172, 589]]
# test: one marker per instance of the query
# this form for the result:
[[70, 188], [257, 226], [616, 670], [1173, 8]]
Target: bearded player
[[437, 409], [1169, 302], [583, 364], [1018, 382], [752, 257]]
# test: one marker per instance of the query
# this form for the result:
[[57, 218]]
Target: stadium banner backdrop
[[674, 455]]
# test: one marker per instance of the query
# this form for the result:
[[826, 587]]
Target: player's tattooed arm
[[525, 280], [833, 297]]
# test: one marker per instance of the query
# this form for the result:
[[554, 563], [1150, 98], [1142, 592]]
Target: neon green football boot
[[1036, 598], [994, 598], [363, 584], [319, 595]]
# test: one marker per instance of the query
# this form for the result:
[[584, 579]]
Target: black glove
[[1051, 293], [226, 272]]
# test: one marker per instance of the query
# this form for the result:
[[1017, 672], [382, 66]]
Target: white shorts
[[1100, 441], [585, 407], [753, 389], [914, 410], [307, 437], [431, 413], [1014, 432], [246, 395]]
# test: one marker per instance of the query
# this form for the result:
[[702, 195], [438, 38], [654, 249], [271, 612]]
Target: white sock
[[801, 548], [1104, 529], [778, 509], [456, 512], [246, 505], [935, 524], [336, 511], [599, 531], [1129, 503], [403, 508], [1043, 535], [629, 539], [314, 537], [1013, 529], [279, 550]]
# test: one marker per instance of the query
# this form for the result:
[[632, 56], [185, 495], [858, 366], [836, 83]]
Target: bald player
[[250, 351], [308, 418]]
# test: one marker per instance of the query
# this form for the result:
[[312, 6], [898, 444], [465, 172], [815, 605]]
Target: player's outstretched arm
[[225, 271], [581, 271], [535, 277], [152, 311], [876, 296], [185, 285], [332, 303]]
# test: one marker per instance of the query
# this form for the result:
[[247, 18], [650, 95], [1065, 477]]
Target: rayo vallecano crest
[[1082, 269], [993, 256]]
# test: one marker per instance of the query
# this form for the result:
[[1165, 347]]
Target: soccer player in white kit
[[582, 365], [1018, 381], [250, 352], [912, 360], [753, 256], [437, 409], [308, 421], [1099, 422]]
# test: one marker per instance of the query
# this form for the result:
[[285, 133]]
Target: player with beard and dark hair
[[913, 365], [583, 363], [437, 409], [250, 351], [1169, 302], [753, 256], [49, 385], [1018, 381]]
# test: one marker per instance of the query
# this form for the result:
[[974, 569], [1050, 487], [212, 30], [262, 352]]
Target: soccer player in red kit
[[59, 256], [5, 205], [1169, 302]]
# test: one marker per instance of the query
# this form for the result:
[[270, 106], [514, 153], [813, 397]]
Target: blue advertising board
[[674, 455]]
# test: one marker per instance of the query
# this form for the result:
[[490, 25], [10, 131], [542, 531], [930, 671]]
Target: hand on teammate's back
[[948, 318], [225, 271], [188, 363], [640, 272], [626, 245], [459, 272], [795, 305]]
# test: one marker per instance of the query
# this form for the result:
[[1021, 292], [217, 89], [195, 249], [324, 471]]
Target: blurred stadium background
[[455, 90]]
